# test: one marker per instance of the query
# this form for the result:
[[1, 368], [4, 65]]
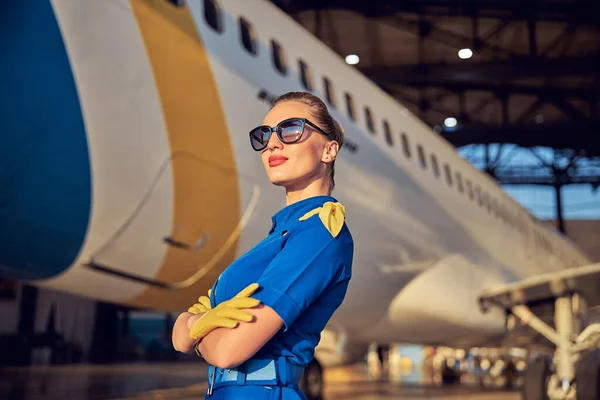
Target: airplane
[[128, 176]]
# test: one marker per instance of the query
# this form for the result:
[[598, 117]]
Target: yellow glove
[[227, 314], [331, 215], [202, 306]]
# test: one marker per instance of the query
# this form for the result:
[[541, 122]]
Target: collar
[[290, 214]]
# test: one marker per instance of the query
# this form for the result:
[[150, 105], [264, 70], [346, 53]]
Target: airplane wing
[[584, 281]]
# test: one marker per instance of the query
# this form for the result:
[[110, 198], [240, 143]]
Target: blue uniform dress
[[303, 272]]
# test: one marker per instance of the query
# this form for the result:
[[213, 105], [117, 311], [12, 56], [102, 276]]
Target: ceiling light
[[352, 59], [465, 53], [450, 122]]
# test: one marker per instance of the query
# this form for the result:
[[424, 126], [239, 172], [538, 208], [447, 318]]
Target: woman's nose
[[274, 142]]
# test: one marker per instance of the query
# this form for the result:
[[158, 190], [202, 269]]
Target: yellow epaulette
[[331, 214]]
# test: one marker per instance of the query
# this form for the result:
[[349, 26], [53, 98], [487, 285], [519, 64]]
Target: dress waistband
[[264, 372]]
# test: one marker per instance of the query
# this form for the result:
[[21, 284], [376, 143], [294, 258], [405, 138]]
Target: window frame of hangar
[[387, 132], [248, 36], [329, 93], [305, 75], [350, 109], [214, 20], [448, 174], [369, 120], [421, 156], [435, 168], [405, 145], [278, 58]]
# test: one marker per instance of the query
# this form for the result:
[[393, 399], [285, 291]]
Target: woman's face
[[296, 164]]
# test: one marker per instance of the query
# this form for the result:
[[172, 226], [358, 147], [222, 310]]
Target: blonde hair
[[326, 122]]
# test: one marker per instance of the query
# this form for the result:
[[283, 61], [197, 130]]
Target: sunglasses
[[288, 131]]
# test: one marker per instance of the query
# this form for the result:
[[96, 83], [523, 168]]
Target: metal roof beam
[[581, 12], [579, 135], [486, 71]]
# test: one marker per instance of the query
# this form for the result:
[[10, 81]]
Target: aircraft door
[[211, 205]]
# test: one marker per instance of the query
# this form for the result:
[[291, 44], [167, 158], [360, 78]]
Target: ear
[[330, 151]]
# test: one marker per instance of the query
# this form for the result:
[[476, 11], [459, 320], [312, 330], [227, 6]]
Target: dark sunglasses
[[288, 131]]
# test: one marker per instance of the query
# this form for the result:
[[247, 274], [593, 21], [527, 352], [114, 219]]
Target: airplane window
[[212, 14], [486, 201], [434, 166], [470, 189], [502, 212], [177, 3], [305, 75], [388, 133], [369, 118], [350, 106], [495, 208], [329, 91], [422, 159], [448, 174], [405, 145], [478, 195], [247, 36], [459, 182], [278, 57]]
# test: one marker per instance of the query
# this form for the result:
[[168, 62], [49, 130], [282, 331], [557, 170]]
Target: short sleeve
[[311, 261]]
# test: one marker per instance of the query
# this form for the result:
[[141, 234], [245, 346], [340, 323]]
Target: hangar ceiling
[[533, 79]]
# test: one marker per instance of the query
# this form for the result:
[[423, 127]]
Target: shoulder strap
[[331, 215]]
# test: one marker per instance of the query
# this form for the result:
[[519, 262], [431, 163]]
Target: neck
[[317, 187]]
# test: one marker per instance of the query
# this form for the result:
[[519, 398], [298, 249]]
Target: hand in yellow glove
[[227, 314], [202, 306]]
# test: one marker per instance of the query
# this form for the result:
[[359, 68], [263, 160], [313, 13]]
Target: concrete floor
[[183, 381]]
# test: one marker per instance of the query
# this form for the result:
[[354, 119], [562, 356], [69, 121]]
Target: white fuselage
[[423, 249]]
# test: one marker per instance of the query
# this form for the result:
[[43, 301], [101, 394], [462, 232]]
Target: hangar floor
[[183, 381]]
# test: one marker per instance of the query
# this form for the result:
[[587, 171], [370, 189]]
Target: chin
[[278, 181], [278, 178]]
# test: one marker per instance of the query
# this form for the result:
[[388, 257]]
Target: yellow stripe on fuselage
[[206, 189]]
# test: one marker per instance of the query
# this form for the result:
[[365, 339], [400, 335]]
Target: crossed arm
[[228, 348]]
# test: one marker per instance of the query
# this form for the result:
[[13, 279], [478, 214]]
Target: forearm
[[212, 347], [228, 348], [181, 332]]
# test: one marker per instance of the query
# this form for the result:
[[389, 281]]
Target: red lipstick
[[276, 160]]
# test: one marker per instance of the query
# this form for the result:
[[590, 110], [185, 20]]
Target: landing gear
[[536, 379], [571, 346], [559, 382], [574, 370], [312, 381]]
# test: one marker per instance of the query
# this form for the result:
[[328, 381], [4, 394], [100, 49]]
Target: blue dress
[[303, 272]]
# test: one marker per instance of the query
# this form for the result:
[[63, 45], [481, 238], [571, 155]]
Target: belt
[[264, 372]]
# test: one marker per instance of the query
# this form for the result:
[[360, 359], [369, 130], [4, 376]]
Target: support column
[[168, 325], [105, 337], [560, 222], [26, 326], [563, 319]]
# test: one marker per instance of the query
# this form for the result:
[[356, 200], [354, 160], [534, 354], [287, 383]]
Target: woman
[[297, 276]]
